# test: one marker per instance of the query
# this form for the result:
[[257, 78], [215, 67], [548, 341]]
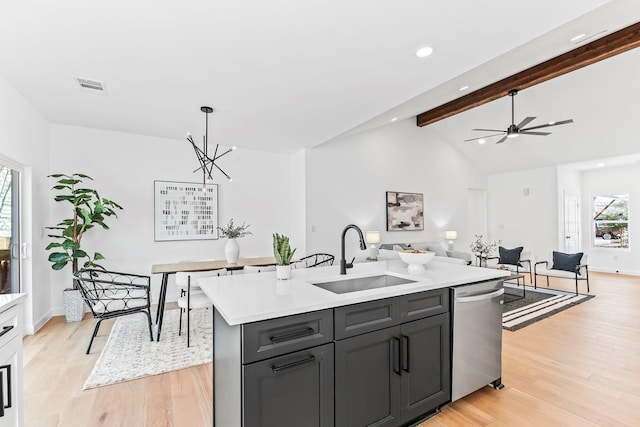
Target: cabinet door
[[290, 391], [10, 383], [426, 367], [368, 379]]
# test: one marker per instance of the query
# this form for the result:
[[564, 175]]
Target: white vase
[[232, 251], [283, 272]]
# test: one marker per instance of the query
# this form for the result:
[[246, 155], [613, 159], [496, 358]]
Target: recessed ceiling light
[[424, 52], [394, 119], [578, 37], [481, 141], [600, 165], [465, 87], [89, 85]]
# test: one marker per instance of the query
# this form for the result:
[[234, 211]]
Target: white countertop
[[7, 300], [244, 298]]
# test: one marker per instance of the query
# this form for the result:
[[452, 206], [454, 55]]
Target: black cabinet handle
[[309, 358], [292, 335], [405, 353], [8, 405], [394, 353], [1, 394], [5, 329]]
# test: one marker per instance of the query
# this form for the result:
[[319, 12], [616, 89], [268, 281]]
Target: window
[[611, 221], [9, 231]]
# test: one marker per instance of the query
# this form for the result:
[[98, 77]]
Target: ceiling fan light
[[512, 135]]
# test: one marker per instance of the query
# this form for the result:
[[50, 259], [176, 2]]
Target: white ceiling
[[285, 74]]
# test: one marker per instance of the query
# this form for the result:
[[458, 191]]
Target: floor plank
[[580, 367]]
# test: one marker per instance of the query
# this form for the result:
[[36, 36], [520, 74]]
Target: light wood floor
[[580, 367]]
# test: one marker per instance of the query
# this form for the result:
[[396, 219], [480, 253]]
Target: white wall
[[24, 146], [525, 220], [124, 167], [613, 180], [298, 202], [347, 182]]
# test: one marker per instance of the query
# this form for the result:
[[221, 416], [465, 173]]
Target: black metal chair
[[111, 294], [315, 260]]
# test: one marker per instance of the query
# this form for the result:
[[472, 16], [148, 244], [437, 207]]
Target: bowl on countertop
[[416, 259]]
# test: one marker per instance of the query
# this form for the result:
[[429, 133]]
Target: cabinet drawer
[[292, 390], [9, 328], [371, 316], [270, 338], [424, 304]]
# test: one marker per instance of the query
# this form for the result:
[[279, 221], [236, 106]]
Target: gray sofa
[[442, 254]]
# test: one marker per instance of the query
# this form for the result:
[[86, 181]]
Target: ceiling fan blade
[[491, 130], [501, 140], [563, 122], [524, 132], [483, 137], [525, 122]]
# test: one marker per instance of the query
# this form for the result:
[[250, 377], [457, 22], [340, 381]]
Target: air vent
[[89, 85]]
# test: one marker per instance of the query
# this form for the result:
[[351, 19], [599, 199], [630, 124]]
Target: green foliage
[[232, 231], [481, 248], [89, 210], [282, 250]]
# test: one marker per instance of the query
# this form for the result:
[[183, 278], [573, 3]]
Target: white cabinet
[[11, 326]]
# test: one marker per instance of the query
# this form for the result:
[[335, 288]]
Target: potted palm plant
[[88, 210], [282, 253]]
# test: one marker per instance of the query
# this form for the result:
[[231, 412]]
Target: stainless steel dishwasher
[[477, 337]]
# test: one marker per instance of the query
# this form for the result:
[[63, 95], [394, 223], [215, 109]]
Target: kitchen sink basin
[[362, 284]]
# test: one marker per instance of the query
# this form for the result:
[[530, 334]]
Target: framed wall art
[[182, 211], [405, 211]]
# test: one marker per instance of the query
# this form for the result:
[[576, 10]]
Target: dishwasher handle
[[481, 297]]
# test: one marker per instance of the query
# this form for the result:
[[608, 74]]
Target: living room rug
[[129, 354], [537, 305]]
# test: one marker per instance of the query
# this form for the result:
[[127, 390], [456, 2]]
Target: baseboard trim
[[614, 271], [32, 329]]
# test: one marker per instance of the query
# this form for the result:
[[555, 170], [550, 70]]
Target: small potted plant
[[88, 210], [233, 232], [282, 253], [482, 250]]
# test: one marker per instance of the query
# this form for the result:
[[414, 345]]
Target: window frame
[[594, 223]]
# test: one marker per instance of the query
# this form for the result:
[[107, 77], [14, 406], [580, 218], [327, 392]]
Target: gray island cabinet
[[291, 353], [383, 363]]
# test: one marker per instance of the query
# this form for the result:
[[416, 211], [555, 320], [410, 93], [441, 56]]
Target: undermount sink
[[344, 286]]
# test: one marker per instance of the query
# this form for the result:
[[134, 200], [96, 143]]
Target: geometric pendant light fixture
[[207, 163]]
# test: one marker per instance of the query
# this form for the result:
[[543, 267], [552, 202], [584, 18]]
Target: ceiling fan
[[514, 130]]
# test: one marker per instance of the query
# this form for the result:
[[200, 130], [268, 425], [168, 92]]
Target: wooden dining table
[[191, 266]]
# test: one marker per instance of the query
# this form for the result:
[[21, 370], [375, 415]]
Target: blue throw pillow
[[509, 256], [566, 262]]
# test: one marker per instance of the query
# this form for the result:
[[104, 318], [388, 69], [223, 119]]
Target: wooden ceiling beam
[[621, 41]]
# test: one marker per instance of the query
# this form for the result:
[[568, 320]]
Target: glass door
[[9, 231]]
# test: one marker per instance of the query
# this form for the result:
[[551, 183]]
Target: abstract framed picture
[[405, 211], [182, 211]]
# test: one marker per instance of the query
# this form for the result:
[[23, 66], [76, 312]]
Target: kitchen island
[[290, 351]]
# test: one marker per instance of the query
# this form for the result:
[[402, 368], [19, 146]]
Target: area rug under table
[[129, 354], [537, 305]]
